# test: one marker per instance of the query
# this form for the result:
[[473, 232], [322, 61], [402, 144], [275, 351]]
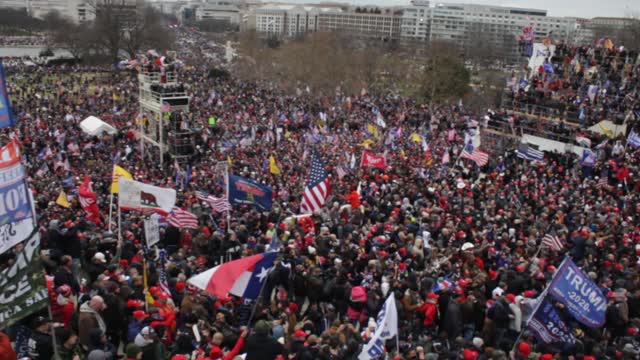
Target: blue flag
[[243, 191], [274, 244], [187, 176], [588, 158], [584, 300], [6, 115], [548, 327]]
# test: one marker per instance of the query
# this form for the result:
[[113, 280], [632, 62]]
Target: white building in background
[[416, 21], [14, 4], [219, 10], [281, 20], [455, 22]]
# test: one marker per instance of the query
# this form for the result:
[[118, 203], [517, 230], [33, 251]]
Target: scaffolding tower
[[163, 107]]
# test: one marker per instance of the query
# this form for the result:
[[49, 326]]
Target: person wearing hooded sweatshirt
[[261, 346]]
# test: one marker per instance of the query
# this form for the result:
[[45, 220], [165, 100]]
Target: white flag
[[386, 328], [135, 195]]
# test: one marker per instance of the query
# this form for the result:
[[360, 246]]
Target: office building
[[383, 24], [219, 10], [416, 21], [286, 20]]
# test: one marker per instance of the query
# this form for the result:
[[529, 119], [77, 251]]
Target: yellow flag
[[62, 200], [372, 130], [287, 134], [367, 142], [147, 296], [273, 167], [404, 156], [118, 172], [229, 159], [606, 131], [416, 138]]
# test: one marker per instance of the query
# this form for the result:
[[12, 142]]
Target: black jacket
[[40, 346], [263, 347]]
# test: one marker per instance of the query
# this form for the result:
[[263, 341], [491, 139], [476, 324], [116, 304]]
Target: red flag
[[88, 199], [371, 159]]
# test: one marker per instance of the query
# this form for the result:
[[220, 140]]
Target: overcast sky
[[573, 8]]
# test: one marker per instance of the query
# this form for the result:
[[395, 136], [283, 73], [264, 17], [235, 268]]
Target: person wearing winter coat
[[453, 318], [90, 318], [430, 311], [261, 346]]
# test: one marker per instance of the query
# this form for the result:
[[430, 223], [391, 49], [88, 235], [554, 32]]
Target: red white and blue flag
[[162, 281], [182, 219], [243, 277], [220, 204], [317, 188], [481, 158]]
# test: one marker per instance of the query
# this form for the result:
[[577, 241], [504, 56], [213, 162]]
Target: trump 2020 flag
[[6, 115], [243, 191], [386, 328], [548, 327], [243, 277], [584, 300]]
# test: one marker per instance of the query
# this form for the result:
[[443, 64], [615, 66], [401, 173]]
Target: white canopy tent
[[94, 126]]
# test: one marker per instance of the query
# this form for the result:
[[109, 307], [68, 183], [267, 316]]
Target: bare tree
[[127, 25]]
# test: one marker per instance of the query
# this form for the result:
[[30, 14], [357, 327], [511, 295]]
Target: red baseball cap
[[139, 314], [134, 303], [299, 333]]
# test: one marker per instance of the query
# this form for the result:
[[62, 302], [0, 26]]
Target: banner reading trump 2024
[[584, 300], [243, 191], [22, 285], [386, 328]]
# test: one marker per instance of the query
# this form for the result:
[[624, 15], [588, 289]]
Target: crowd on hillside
[[456, 244]]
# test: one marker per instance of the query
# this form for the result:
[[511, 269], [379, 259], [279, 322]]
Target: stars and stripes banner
[[163, 283], [552, 241], [182, 219], [527, 152], [481, 158], [218, 204], [6, 115], [317, 188], [603, 183]]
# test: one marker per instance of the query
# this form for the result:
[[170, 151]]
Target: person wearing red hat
[[138, 321], [524, 349], [468, 354]]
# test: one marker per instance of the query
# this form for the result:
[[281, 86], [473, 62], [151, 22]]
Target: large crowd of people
[[458, 245]]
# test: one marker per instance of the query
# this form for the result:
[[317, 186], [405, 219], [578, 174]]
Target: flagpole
[[110, 210], [119, 225], [258, 300], [53, 333], [535, 309]]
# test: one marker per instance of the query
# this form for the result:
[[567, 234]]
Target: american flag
[[479, 157], [552, 241], [603, 182], [182, 219], [220, 204], [162, 281], [317, 188]]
